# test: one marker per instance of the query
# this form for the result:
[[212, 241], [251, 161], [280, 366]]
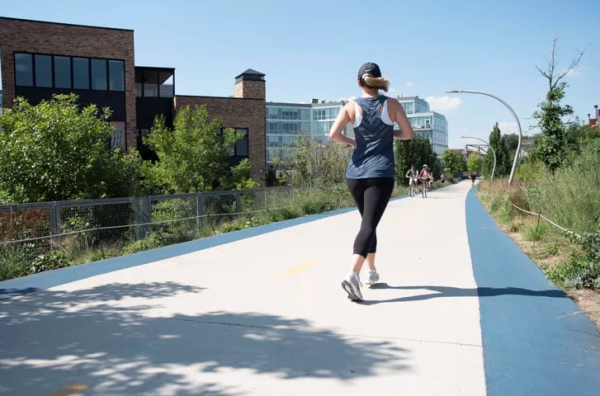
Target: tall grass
[[570, 198]]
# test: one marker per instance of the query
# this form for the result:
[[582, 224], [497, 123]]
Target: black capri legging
[[371, 197]]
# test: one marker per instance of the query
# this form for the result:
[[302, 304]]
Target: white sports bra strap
[[385, 117]]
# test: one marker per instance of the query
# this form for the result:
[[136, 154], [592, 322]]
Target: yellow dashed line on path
[[70, 390], [300, 268]]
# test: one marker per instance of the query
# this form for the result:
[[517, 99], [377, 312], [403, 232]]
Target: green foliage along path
[[57, 151]]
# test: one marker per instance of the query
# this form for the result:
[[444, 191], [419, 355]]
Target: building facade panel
[[66, 50], [426, 123], [286, 122]]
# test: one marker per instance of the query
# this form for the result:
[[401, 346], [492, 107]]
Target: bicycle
[[412, 185], [424, 187]]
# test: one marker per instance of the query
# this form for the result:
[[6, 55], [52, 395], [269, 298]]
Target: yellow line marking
[[70, 390], [300, 268]]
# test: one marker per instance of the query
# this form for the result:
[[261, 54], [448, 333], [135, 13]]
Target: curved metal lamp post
[[512, 172], [491, 148]]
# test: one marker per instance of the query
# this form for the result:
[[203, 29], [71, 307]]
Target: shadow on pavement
[[446, 291], [118, 339]]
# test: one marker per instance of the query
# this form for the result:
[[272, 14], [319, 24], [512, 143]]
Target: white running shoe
[[351, 284], [373, 277]]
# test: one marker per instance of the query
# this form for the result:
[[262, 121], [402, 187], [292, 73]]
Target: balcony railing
[[154, 90]]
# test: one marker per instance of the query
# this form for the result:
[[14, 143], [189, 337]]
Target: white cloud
[[443, 103], [347, 99], [410, 83], [508, 127], [578, 71]]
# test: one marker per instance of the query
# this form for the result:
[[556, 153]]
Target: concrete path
[[262, 312]]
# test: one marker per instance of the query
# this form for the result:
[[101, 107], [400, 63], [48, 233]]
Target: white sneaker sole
[[348, 288]]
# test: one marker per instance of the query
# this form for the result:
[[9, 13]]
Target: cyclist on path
[[425, 176]]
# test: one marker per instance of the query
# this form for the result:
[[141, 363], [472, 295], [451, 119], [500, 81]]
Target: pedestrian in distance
[[371, 171]]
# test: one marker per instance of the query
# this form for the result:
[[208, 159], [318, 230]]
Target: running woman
[[371, 170]]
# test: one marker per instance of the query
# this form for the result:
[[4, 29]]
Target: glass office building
[[426, 123], [287, 121]]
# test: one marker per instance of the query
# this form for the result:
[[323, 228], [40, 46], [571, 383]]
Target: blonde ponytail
[[376, 82]]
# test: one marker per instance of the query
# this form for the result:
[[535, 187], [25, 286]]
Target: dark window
[[43, 71], [81, 73], [241, 146], [116, 75], [99, 77], [24, 70], [62, 72], [240, 149]]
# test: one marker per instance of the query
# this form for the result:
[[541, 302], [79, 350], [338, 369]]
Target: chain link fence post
[[199, 210], [142, 209], [238, 202]]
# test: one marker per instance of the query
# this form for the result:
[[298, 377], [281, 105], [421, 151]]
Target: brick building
[[41, 58], [594, 121]]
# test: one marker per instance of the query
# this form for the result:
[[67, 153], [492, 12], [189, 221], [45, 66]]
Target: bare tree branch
[[550, 75], [572, 66]]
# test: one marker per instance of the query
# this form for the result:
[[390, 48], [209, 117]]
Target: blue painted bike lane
[[536, 340]]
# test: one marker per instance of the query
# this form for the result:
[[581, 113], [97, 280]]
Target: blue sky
[[313, 49]]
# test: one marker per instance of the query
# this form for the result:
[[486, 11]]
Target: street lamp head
[[452, 91]]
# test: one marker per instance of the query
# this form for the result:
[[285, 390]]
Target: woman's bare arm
[[338, 126], [398, 115]]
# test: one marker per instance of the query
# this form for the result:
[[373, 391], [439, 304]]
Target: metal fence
[[46, 226]]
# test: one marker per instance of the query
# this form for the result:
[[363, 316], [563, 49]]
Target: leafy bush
[[49, 261], [530, 171], [193, 154], [584, 271], [152, 241], [66, 152], [581, 271], [282, 214], [175, 209]]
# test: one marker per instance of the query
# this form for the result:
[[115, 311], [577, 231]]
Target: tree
[[56, 151], [578, 134], [417, 152], [453, 162], [192, 157], [510, 143], [503, 158], [474, 162], [551, 148], [309, 163]]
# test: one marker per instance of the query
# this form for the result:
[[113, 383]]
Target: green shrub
[[536, 232], [282, 214], [530, 171], [152, 241], [49, 261], [581, 271], [174, 209]]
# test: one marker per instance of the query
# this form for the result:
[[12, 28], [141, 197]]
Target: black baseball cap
[[369, 68]]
